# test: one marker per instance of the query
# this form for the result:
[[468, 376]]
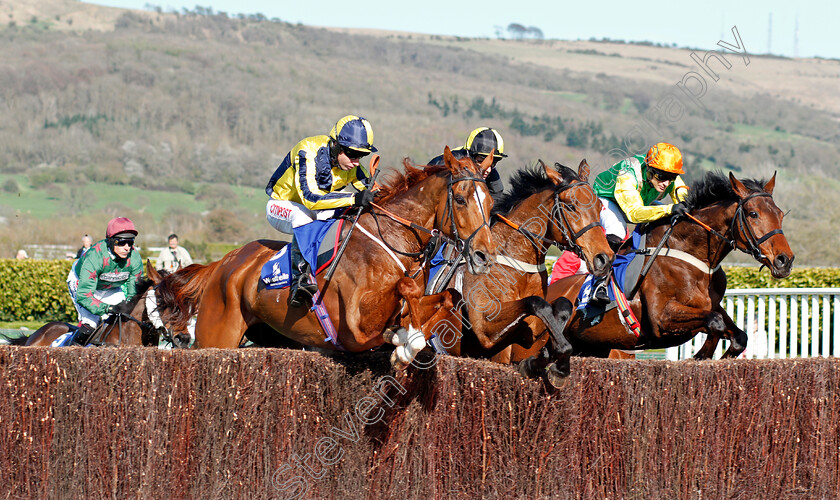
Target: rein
[[437, 237], [96, 339], [751, 246], [569, 234], [752, 242]]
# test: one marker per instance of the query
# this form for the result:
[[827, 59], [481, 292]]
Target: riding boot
[[301, 288], [600, 297]]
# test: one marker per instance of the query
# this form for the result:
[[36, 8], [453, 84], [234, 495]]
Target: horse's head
[[576, 217], [757, 227], [465, 210]]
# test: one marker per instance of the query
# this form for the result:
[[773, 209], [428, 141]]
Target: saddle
[[324, 235]]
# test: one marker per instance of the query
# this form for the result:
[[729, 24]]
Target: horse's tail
[[179, 293], [17, 340]]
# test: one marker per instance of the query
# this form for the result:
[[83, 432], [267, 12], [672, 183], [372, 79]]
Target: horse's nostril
[[479, 258], [601, 261], [781, 260]]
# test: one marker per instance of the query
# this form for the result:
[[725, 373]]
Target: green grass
[[43, 204], [15, 325], [763, 132]]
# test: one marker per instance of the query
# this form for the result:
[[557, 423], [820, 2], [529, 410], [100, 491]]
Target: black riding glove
[[363, 198], [678, 210], [116, 309]]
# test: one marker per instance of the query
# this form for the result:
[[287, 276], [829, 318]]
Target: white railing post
[[815, 327], [783, 328], [826, 331], [803, 342], [771, 327], [837, 326]]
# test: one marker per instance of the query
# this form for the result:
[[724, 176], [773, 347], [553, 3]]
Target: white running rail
[[780, 323]]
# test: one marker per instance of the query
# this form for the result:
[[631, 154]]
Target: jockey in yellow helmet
[[480, 143], [307, 186]]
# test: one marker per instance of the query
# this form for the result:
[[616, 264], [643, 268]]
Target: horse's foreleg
[[411, 340], [515, 323], [219, 325], [707, 351]]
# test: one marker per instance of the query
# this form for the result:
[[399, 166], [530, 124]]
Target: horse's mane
[[529, 181], [180, 292], [715, 187], [400, 182]]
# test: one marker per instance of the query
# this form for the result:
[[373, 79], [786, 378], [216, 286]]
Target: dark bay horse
[[681, 296], [544, 206], [132, 328], [372, 278]]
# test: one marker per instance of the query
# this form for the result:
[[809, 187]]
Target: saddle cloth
[[318, 242]]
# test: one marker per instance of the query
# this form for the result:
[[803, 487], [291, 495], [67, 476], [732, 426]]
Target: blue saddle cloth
[[619, 269], [276, 272]]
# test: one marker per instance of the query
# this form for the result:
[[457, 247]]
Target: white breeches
[[285, 216]]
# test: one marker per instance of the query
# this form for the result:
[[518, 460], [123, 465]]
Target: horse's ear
[[448, 159], [152, 273], [771, 184], [552, 174], [738, 186], [583, 170], [487, 164]]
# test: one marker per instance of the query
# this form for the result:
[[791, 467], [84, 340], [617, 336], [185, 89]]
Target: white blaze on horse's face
[[479, 196]]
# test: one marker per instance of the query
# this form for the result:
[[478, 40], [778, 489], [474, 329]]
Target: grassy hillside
[[163, 114]]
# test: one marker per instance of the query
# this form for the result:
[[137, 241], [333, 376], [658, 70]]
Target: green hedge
[[34, 290], [805, 277]]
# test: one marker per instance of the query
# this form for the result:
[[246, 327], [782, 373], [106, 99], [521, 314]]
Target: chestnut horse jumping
[[544, 206], [681, 295], [373, 277], [131, 328]]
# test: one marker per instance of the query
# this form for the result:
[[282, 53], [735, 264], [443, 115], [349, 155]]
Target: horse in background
[[131, 327], [682, 292], [374, 276]]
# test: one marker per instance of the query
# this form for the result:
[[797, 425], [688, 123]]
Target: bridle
[[570, 236], [462, 245], [739, 224]]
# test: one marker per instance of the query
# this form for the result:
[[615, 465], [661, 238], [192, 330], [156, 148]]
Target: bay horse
[[132, 327], [544, 206], [678, 299], [373, 277]]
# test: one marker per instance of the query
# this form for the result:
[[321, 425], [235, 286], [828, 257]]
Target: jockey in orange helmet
[[631, 191]]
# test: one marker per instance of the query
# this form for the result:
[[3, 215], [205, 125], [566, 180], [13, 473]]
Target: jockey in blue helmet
[[307, 186]]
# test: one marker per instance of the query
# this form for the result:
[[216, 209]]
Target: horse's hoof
[[395, 335], [526, 368], [556, 377], [396, 362]]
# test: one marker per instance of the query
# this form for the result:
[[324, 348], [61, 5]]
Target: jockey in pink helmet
[[105, 276]]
